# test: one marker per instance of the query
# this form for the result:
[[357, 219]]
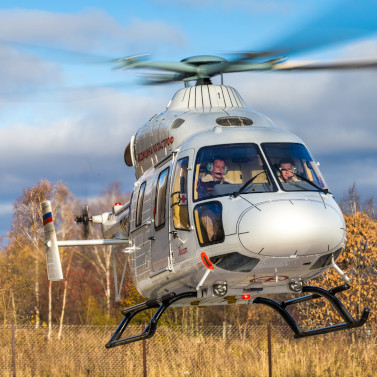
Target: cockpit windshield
[[230, 168], [293, 167]]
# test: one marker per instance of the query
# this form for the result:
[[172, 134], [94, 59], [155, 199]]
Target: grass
[[188, 352]]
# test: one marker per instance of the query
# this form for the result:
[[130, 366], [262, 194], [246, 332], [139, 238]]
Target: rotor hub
[[203, 59]]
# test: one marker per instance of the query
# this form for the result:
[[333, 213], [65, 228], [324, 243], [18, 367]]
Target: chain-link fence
[[186, 351]]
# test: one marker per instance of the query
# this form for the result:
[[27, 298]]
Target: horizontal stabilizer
[[54, 268]]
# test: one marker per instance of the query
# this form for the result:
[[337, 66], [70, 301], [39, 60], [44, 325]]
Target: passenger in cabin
[[211, 224], [287, 171], [215, 175]]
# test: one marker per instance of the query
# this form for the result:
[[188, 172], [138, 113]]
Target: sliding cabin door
[[160, 250]]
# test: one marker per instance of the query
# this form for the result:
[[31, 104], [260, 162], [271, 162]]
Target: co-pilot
[[287, 171]]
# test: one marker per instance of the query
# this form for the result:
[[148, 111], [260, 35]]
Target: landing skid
[[329, 294], [161, 303]]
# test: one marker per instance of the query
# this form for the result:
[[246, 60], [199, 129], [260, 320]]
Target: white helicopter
[[226, 208]]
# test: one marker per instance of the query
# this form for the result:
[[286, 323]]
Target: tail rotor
[[84, 219]]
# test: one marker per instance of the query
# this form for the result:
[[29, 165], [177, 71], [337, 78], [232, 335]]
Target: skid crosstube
[[161, 303], [316, 292]]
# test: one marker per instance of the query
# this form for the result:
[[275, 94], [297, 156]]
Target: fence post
[[269, 350], [144, 358], [13, 349]]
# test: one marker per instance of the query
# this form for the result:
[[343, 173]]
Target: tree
[[65, 204], [84, 296], [351, 202], [14, 289], [27, 234], [359, 262]]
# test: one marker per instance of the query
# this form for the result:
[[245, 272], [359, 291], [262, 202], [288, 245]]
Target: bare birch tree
[[27, 232]]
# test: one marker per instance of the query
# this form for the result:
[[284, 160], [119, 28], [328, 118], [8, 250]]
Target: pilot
[[287, 171], [215, 175]]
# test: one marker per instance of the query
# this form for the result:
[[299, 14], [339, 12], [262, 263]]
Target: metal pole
[[269, 350], [13, 349], [106, 242], [144, 358]]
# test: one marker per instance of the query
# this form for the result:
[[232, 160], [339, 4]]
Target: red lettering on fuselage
[[182, 251], [155, 148]]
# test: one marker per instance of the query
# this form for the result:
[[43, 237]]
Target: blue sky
[[65, 114]]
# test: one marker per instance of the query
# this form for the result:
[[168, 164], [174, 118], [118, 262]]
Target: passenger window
[[139, 205], [179, 196], [209, 224], [160, 203]]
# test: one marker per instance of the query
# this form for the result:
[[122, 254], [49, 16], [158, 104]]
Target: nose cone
[[291, 227]]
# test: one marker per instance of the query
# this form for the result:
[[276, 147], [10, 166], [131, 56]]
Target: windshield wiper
[[240, 191], [325, 191]]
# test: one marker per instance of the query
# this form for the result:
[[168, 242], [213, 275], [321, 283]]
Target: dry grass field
[[209, 351]]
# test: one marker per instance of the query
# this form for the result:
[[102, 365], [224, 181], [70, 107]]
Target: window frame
[[178, 167], [140, 205], [276, 177], [157, 197], [267, 168], [197, 224]]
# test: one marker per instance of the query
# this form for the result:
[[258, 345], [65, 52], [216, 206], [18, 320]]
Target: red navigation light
[[117, 204], [246, 297]]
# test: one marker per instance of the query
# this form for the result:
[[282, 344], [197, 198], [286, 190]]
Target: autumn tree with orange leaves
[[359, 262]]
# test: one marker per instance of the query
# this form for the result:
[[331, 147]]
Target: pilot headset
[[209, 166], [294, 167]]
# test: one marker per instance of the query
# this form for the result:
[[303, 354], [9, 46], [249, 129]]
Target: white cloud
[[88, 30], [40, 50], [21, 74], [96, 126], [84, 148]]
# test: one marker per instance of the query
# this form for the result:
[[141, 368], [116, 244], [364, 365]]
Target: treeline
[[86, 295]]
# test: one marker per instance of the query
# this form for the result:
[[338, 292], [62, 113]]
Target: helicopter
[[226, 208]]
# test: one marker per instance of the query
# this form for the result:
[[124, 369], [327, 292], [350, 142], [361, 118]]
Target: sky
[[67, 115]]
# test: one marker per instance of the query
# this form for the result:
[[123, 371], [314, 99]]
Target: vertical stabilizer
[[54, 268]]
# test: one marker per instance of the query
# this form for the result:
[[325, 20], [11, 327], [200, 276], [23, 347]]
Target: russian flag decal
[[47, 218]]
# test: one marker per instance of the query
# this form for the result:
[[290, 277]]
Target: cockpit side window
[[224, 169], [179, 196], [160, 203], [139, 205], [293, 167]]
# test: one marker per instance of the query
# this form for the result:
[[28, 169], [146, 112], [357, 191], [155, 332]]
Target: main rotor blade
[[342, 21], [140, 61], [60, 55], [361, 64]]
